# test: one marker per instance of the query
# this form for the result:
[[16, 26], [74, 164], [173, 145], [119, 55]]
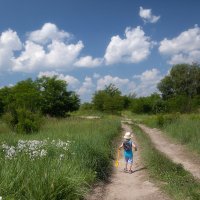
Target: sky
[[92, 43]]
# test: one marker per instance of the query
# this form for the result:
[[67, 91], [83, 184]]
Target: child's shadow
[[137, 170]]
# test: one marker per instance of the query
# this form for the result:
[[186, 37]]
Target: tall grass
[[186, 130], [88, 159], [171, 177]]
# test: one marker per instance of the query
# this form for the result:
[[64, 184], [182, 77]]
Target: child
[[128, 152]]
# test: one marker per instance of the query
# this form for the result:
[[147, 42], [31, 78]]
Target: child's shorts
[[129, 159]]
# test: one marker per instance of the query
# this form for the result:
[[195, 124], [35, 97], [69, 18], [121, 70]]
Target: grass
[[183, 128], [88, 159], [171, 177]]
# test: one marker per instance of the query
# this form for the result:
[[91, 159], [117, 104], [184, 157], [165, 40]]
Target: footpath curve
[[176, 152]]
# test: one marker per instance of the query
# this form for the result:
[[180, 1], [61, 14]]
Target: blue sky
[[92, 43]]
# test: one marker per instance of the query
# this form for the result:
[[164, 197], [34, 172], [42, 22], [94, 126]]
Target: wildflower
[[61, 156], [43, 153]]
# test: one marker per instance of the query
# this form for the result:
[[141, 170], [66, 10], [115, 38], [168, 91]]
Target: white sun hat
[[128, 135]]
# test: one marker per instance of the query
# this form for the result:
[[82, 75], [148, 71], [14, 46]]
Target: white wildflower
[[43, 153], [61, 156]]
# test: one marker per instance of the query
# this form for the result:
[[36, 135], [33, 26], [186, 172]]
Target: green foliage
[[182, 103], [28, 122], [25, 94], [108, 100], [55, 99], [151, 104], [10, 119], [163, 120], [23, 121], [5, 93], [86, 106], [89, 158], [184, 79]]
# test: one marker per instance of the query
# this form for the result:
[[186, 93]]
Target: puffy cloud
[[32, 58], [71, 81], [58, 55], [86, 87], [148, 81], [134, 48], [47, 33], [44, 49], [63, 55], [89, 62], [147, 16], [9, 42], [184, 48]]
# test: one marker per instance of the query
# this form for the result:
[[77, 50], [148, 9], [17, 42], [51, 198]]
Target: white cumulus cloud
[[89, 62], [45, 49], [9, 42], [147, 16], [184, 48], [57, 55], [134, 48], [47, 33], [86, 87], [148, 81]]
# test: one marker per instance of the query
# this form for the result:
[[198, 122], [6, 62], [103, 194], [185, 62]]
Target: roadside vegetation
[[184, 128], [61, 161], [171, 177]]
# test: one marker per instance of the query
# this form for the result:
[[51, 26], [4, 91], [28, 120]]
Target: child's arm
[[134, 146], [120, 146]]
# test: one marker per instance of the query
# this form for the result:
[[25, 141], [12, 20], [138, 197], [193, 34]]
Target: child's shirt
[[127, 145]]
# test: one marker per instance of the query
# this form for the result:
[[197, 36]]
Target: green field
[[62, 161]]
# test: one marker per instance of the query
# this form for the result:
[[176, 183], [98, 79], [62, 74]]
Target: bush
[[163, 120], [23, 121], [10, 118], [28, 122]]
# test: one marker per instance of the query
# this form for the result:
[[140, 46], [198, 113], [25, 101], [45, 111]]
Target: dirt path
[[124, 186], [176, 152]]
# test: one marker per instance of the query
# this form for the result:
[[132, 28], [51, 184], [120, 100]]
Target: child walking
[[128, 145]]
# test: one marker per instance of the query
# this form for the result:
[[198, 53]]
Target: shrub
[[23, 121], [10, 118], [163, 120], [28, 122]]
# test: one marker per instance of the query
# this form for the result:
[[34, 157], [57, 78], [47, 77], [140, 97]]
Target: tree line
[[23, 106], [179, 91]]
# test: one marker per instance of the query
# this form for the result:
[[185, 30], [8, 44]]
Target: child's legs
[[130, 162], [126, 163]]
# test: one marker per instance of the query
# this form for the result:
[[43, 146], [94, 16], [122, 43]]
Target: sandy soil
[[125, 186], [176, 152]]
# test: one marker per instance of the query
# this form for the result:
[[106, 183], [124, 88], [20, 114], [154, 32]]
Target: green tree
[[184, 79], [4, 99], [21, 106], [56, 100], [108, 100], [25, 94], [181, 88]]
